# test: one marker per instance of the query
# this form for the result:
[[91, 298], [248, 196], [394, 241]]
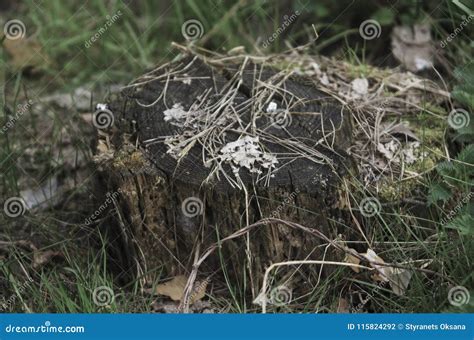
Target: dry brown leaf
[[25, 54], [351, 258], [412, 46], [40, 258], [174, 289], [342, 306]]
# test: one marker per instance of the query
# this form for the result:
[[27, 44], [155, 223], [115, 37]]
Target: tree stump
[[203, 147]]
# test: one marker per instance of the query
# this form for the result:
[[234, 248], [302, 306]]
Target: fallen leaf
[[399, 280], [383, 271], [342, 306], [412, 46], [25, 54], [174, 289], [351, 258], [40, 258]]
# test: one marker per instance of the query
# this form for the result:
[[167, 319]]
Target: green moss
[[396, 190], [430, 131], [429, 128]]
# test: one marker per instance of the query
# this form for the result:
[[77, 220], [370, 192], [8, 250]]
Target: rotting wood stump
[[203, 147]]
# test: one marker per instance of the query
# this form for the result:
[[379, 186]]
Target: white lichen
[[247, 153], [395, 152], [175, 115], [272, 107], [360, 87]]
